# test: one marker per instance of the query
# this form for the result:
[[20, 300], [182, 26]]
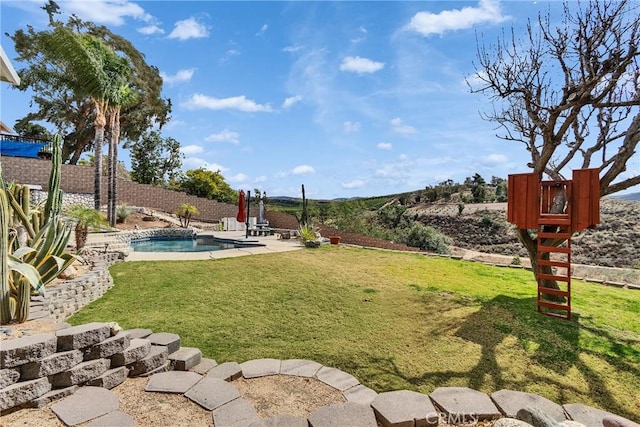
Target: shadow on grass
[[557, 347]]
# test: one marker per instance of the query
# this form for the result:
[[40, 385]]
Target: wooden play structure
[[555, 209]]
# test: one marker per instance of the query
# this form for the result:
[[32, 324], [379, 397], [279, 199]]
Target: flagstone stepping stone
[[404, 408], [173, 382], [590, 416], [509, 402], [237, 413], [85, 405], [464, 404], [167, 339], [300, 368], [82, 336], [260, 368], [360, 394], [336, 378], [204, 366], [227, 371], [26, 349], [282, 420], [114, 418], [211, 393], [185, 358], [343, 414], [138, 333]]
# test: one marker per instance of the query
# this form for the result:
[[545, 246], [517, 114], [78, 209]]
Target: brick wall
[[80, 179]]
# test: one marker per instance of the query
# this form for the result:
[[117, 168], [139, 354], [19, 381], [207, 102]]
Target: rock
[[8, 376], [204, 366], [360, 394], [137, 349], [157, 356], [405, 408], [510, 422], [169, 340], [68, 273], [173, 382], [82, 336], [343, 414], [26, 349], [336, 378], [115, 344], [185, 358], [22, 392], [227, 371], [113, 419], [212, 393], [111, 378], [138, 333], [591, 416], [462, 404], [51, 365], [85, 405], [299, 368], [50, 396], [238, 412], [510, 402], [614, 421], [260, 368], [536, 417], [80, 373]]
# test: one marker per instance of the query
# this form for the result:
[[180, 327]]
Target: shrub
[[122, 212], [428, 238], [516, 260]]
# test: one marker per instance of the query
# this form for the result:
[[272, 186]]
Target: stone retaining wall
[[37, 369], [68, 298], [68, 199]]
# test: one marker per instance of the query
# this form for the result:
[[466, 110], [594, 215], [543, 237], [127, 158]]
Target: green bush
[[428, 238]]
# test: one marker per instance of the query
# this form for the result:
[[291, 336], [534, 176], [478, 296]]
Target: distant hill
[[631, 197]]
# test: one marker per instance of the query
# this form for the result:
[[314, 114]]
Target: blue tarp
[[20, 149]]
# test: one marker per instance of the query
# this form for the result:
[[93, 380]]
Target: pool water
[[178, 245]]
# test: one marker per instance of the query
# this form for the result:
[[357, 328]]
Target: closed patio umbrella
[[242, 208]]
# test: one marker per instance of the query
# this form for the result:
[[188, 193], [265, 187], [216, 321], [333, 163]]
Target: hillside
[[483, 227]]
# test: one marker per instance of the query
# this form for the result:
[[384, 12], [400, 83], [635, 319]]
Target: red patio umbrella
[[242, 208]]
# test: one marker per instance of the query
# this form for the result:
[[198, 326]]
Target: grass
[[394, 320]]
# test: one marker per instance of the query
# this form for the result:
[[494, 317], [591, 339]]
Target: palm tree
[[92, 69], [85, 218]]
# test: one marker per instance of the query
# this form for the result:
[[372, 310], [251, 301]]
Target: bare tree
[[569, 93]]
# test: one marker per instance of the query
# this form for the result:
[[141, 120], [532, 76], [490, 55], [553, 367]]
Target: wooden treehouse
[[555, 209]]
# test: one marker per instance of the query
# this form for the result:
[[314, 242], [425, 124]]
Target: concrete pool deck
[[271, 245]]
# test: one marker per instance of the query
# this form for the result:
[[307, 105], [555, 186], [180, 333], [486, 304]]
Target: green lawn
[[394, 320]]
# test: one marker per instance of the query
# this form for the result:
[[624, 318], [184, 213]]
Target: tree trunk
[[99, 142]]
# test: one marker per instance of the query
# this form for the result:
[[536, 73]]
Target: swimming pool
[[186, 244]]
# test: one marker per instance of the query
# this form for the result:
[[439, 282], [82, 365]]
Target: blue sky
[[349, 98]]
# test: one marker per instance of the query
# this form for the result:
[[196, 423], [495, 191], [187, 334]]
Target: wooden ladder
[[554, 226]]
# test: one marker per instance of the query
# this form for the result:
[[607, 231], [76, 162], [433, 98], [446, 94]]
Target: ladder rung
[[562, 250], [557, 220], [542, 276], [557, 315], [556, 292], [553, 306], [547, 235], [554, 263]]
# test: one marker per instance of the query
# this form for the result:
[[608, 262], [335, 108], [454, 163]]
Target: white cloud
[[240, 103], [263, 30], [111, 12], [399, 127], [224, 136], [180, 76], [150, 30], [360, 65], [494, 159], [261, 178], [240, 177], [191, 149], [358, 183], [302, 170], [215, 167], [292, 49], [228, 55], [363, 32], [384, 146], [351, 127], [189, 29], [427, 23], [291, 101]]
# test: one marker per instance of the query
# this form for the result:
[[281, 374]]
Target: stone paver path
[[208, 385]]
